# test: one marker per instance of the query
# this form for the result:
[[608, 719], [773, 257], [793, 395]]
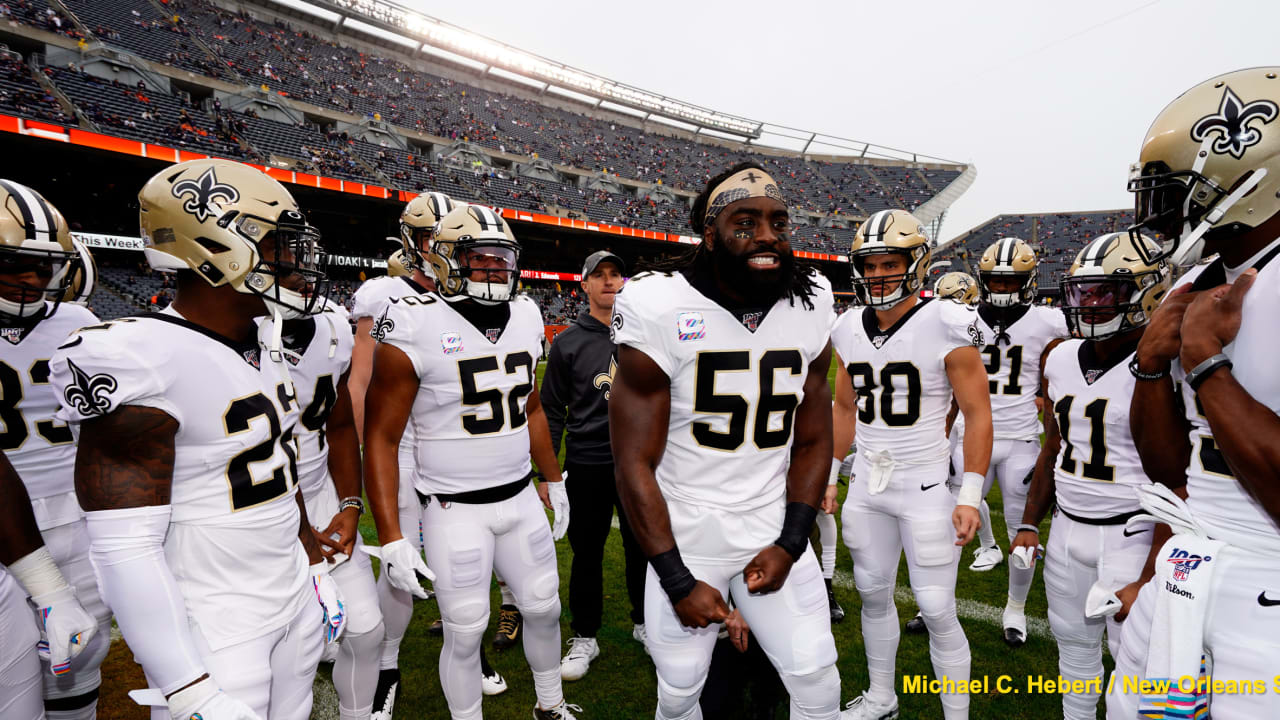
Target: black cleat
[[437, 628], [384, 698], [916, 626], [509, 624], [837, 612], [1014, 637]]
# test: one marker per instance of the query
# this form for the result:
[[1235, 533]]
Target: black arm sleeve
[[556, 385]]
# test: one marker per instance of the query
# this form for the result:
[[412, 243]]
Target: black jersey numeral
[[707, 401], [1096, 467], [897, 380], [497, 419]]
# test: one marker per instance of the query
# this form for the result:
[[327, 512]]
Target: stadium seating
[[20, 94]]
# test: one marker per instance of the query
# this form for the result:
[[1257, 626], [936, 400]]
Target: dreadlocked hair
[[698, 258]]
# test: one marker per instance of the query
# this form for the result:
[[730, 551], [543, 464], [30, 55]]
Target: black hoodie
[[575, 391]]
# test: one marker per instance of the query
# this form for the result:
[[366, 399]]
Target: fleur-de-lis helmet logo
[[88, 394], [1233, 124], [202, 194], [604, 380], [383, 326]]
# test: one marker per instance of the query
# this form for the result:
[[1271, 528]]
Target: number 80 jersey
[[900, 375], [736, 382], [469, 412]]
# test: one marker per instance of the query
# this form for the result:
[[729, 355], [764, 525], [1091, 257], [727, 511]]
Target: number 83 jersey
[[475, 367], [234, 531], [736, 381], [900, 376]]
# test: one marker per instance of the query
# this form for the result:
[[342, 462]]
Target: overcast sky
[[1049, 99]]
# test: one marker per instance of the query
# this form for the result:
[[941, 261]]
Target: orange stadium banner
[[97, 141]]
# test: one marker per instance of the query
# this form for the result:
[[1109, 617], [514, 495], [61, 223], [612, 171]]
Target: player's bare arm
[[125, 459], [1247, 432], [306, 533], [1156, 421], [540, 449], [811, 458], [344, 467], [396, 385], [639, 411], [19, 535], [360, 372], [844, 424], [968, 377]]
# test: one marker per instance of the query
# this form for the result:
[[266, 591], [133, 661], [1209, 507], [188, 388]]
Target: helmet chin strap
[[1191, 245]]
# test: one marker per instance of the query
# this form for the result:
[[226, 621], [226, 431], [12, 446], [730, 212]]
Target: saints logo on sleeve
[[87, 394]]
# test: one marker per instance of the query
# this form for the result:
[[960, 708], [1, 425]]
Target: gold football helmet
[[1209, 165], [216, 217], [417, 221], [471, 241], [890, 232], [35, 241], [1008, 258], [958, 286], [84, 276], [396, 265], [1111, 289]]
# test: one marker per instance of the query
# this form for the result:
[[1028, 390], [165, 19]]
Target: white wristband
[[834, 477], [38, 573], [971, 490]]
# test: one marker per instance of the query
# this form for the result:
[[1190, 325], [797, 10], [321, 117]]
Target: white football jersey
[[233, 544], [369, 301], [1097, 468], [900, 376], [736, 381], [41, 449], [1222, 506], [1013, 368], [474, 383], [318, 351]]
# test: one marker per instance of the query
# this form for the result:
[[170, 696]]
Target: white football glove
[[330, 597], [66, 628], [402, 563], [205, 701], [560, 506]]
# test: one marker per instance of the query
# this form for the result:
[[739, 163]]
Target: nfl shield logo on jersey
[[12, 334], [690, 326], [451, 343], [1184, 563], [751, 321]]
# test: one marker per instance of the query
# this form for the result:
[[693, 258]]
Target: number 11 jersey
[[736, 381]]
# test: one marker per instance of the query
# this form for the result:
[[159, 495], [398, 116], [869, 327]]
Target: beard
[[758, 287]]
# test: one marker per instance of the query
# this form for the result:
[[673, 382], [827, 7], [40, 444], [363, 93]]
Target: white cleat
[[563, 711], [492, 684], [582, 650], [987, 558], [1015, 628], [864, 708]]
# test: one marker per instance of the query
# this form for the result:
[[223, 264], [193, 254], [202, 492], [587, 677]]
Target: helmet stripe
[[36, 216], [486, 217], [1007, 248]]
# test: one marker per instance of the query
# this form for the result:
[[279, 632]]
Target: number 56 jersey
[[736, 381], [233, 540], [900, 376], [475, 366]]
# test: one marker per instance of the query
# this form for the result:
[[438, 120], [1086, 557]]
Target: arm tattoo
[[125, 459]]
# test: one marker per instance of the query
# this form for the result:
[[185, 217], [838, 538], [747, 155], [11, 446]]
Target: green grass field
[[621, 683]]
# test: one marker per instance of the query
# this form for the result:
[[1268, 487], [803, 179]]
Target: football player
[[458, 364], [186, 464], [1088, 466], [1017, 332], [318, 351], [720, 423], [958, 286], [407, 274], [1205, 404], [39, 266], [67, 630], [899, 361]]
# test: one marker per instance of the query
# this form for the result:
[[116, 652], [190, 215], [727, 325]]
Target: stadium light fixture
[[468, 44]]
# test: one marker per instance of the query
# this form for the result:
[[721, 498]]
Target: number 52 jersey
[[233, 540], [474, 383], [736, 381]]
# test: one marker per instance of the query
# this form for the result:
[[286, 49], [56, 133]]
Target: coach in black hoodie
[[575, 396]]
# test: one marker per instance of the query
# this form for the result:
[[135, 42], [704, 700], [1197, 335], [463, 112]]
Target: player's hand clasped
[[345, 526], [703, 606], [768, 570]]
